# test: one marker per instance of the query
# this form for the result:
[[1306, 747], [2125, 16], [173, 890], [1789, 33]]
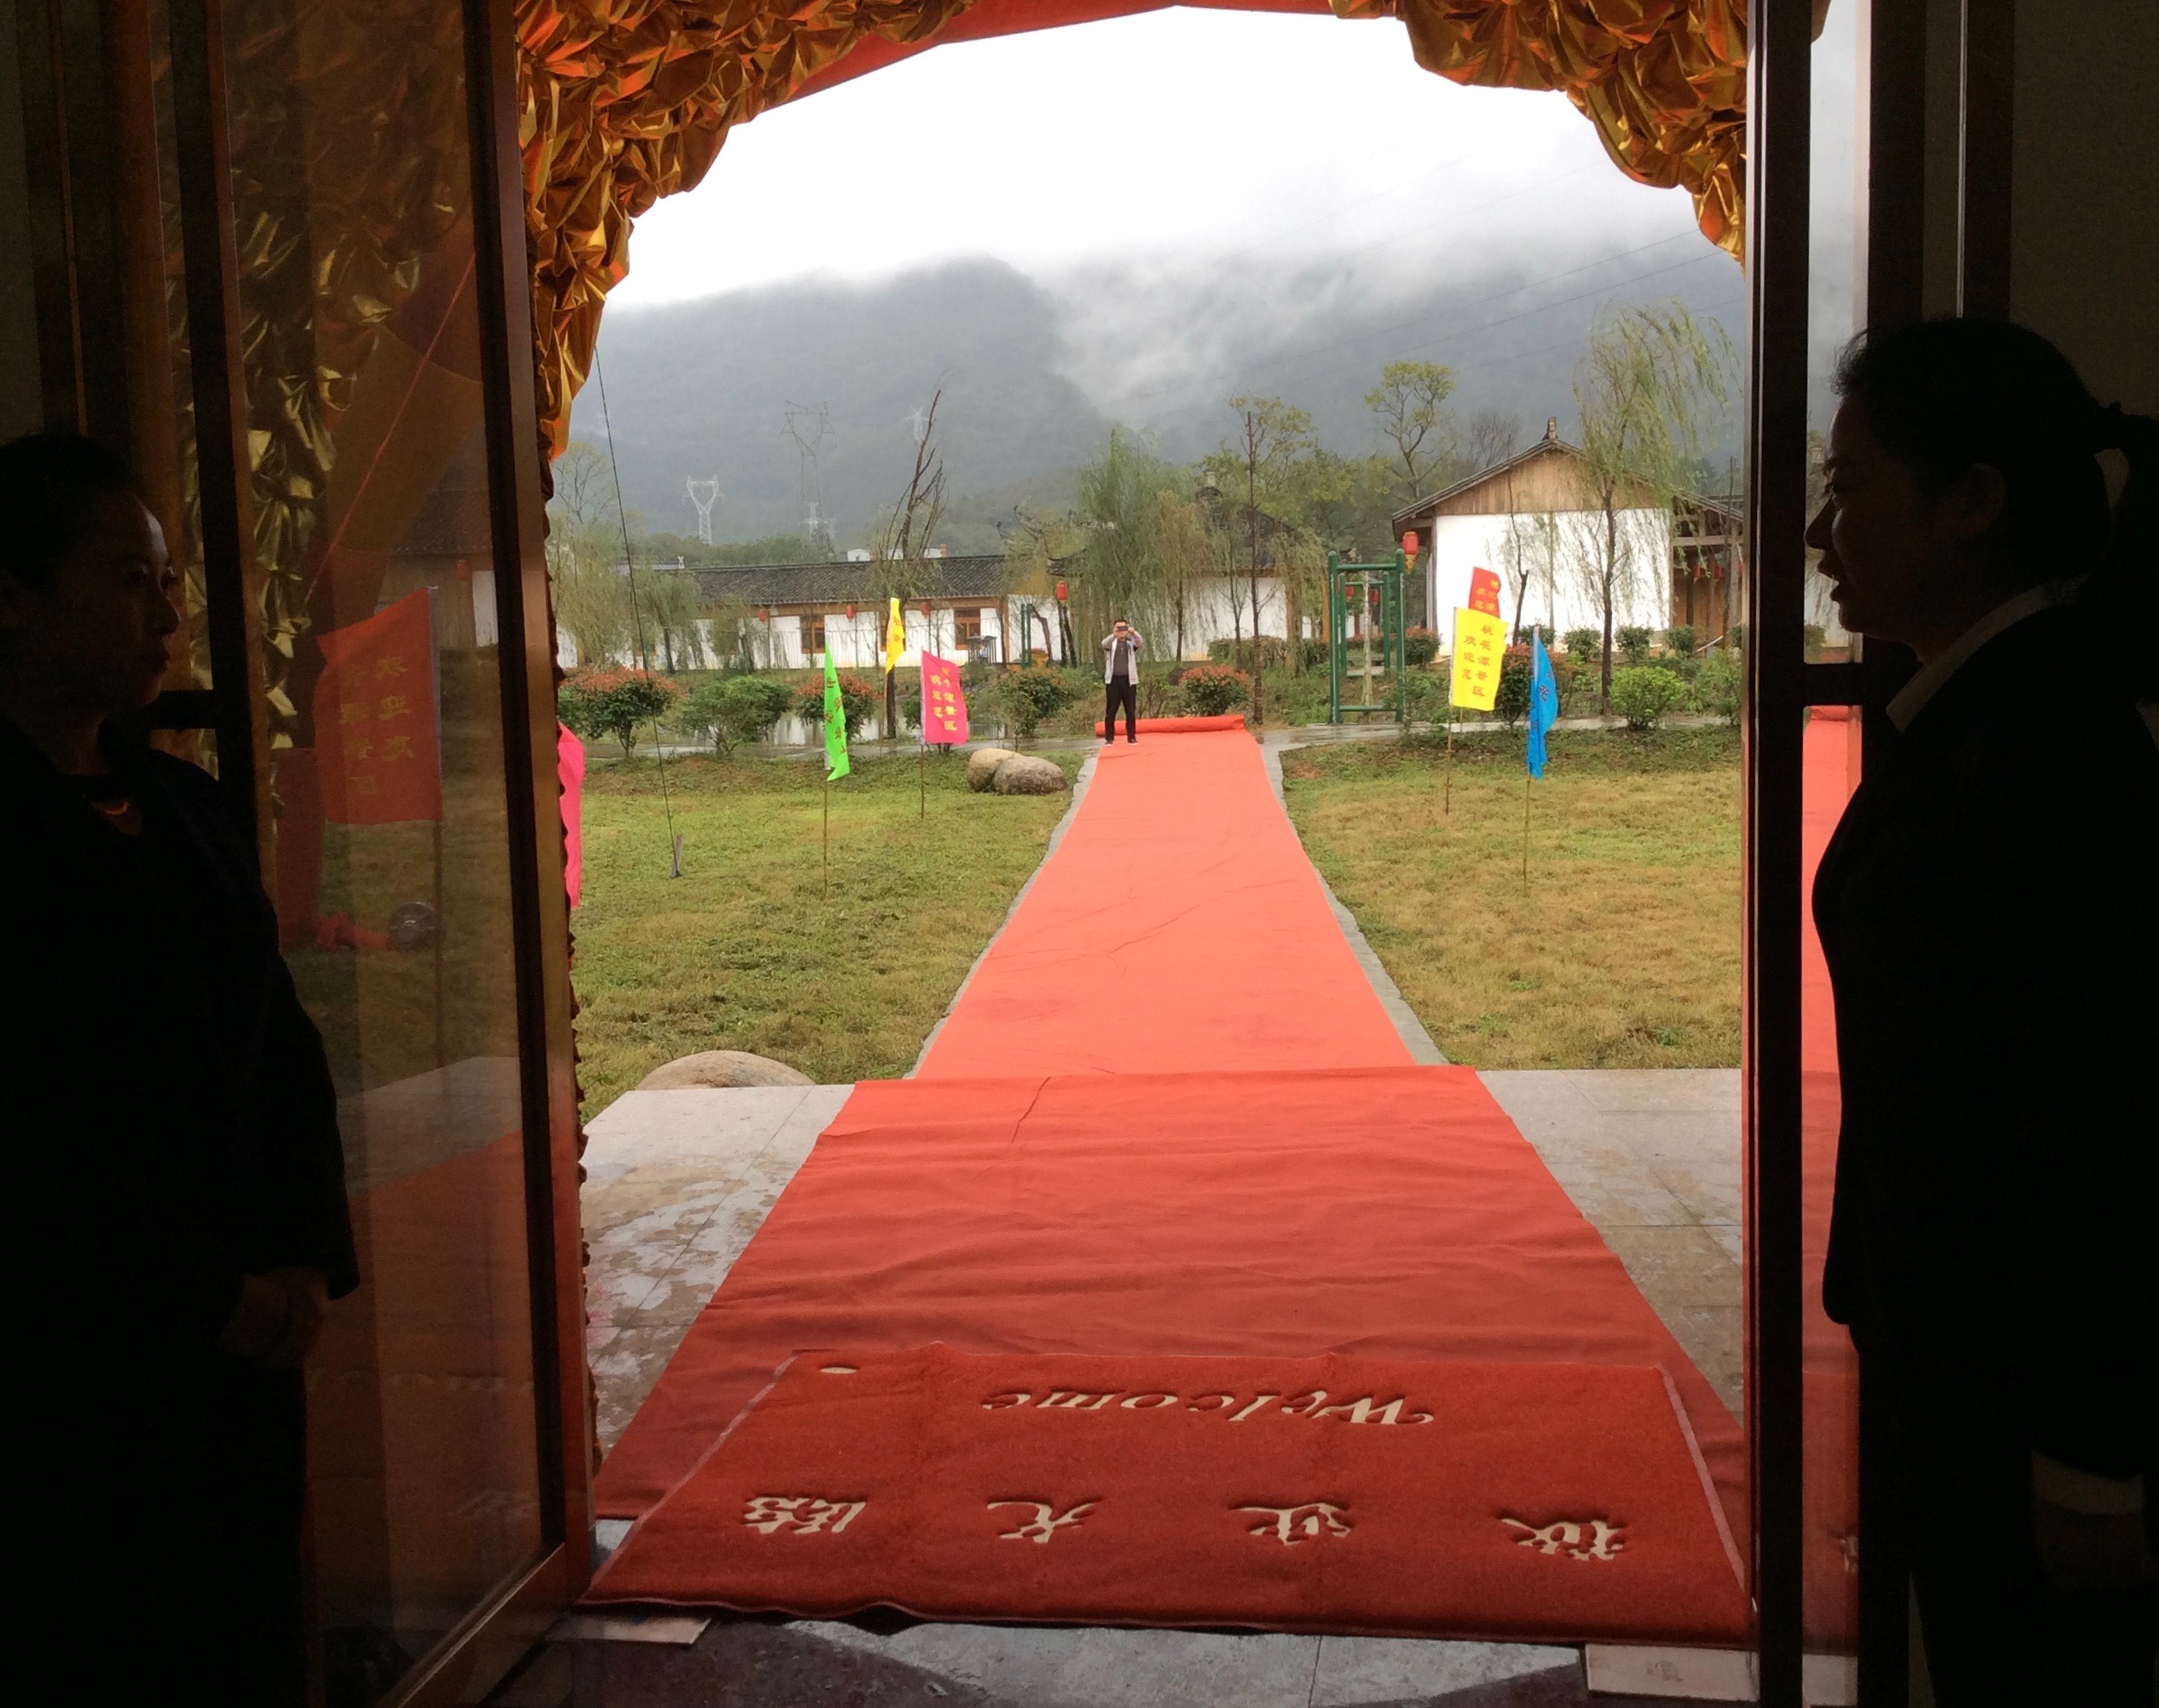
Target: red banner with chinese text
[[1484, 592], [376, 724], [944, 707]]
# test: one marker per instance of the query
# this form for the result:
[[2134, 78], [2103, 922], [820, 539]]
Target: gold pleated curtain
[[629, 101]]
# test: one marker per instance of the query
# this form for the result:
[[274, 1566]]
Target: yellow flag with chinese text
[[895, 637], [1480, 647]]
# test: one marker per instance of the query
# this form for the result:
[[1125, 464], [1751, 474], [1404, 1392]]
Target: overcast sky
[[1169, 139]]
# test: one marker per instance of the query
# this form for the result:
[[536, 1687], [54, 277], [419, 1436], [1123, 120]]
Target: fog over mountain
[[1128, 221], [1035, 369]]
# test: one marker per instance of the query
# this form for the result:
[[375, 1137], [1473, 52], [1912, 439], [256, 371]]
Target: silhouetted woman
[[180, 1209], [1990, 909]]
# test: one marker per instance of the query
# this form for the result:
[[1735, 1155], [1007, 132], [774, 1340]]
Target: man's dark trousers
[[1122, 690]]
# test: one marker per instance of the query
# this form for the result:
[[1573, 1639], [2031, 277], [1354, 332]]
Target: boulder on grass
[[1022, 773], [721, 1068], [981, 765]]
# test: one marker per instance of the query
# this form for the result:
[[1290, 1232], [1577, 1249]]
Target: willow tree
[[1650, 390], [1410, 402], [1126, 574], [900, 568], [585, 543]]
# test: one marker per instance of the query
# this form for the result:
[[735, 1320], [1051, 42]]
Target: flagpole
[[1526, 780], [441, 1041], [1447, 791], [828, 838]]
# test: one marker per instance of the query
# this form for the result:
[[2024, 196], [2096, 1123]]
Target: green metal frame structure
[[1346, 582]]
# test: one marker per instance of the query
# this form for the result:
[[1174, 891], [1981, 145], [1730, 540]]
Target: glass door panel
[[360, 337]]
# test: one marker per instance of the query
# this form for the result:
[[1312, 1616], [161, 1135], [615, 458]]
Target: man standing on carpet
[[1120, 681]]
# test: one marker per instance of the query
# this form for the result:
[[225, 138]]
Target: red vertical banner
[[569, 768], [944, 707], [377, 722], [1484, 592]]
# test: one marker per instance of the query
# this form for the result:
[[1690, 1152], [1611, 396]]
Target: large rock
[[721, 1068], [981, 765], [1022, 773]]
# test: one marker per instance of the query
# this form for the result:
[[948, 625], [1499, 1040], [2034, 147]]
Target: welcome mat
[[1522, 1501]]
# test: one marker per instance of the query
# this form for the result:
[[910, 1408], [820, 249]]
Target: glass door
[[323, 310]]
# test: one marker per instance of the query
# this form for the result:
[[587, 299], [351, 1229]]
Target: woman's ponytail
[[2122, 594]]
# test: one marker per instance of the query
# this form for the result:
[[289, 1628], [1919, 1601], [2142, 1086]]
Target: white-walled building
[[1536, 521], [791, 615]]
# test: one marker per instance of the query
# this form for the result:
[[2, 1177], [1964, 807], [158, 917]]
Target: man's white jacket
[[1110, 655]]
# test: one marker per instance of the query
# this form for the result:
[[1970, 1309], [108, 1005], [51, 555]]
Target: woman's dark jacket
[[174, 1124], [1989, 907]]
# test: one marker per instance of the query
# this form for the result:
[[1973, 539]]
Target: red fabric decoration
[[376, 742], [1484, 592], [569, 769]]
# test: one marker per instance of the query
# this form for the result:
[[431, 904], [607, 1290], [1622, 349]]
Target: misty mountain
[[704, 389], [1034, 371]]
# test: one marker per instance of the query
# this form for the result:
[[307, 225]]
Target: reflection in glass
[[1830, 1550], [351, 188]]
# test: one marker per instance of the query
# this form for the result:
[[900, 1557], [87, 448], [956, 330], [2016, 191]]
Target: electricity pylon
[[704, 494]]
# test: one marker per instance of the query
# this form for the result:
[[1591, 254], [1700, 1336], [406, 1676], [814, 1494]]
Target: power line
[[629, 566], [1347, 208]]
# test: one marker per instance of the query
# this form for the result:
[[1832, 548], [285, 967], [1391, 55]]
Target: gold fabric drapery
[[628, 100], [1663, 81]]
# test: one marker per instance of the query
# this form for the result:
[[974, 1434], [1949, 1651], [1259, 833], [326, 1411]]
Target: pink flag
[[569, 768], [944, 707]]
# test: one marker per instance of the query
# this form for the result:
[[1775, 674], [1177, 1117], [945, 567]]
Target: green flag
[[835, 724]]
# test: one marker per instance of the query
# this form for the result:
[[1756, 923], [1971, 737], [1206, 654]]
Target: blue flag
[[1543, 707]]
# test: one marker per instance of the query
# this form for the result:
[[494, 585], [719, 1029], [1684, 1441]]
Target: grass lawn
[[1624, 950], [744, 951]]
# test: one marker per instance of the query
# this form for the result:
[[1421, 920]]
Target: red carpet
[[1830, 1489], [1388, 1213], [1180, 726], [1500, 1499], [1220, 1150], [1178, 927]]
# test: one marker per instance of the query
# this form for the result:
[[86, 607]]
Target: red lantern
[[1061, 593], [764, 614], [850, 613], [1409, 544], [925, 607]]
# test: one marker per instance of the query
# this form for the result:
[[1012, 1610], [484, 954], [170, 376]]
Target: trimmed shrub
[[1815, 639], [597, 702], [858, 697], [1026, 696], [1678, 639], [1210, 690], [1634, 643], [1313, 653], [1424, 696], [1716, 684], [1584, 644], [738, 709], [1419, 646], [1642, 694], [1512, 704]]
